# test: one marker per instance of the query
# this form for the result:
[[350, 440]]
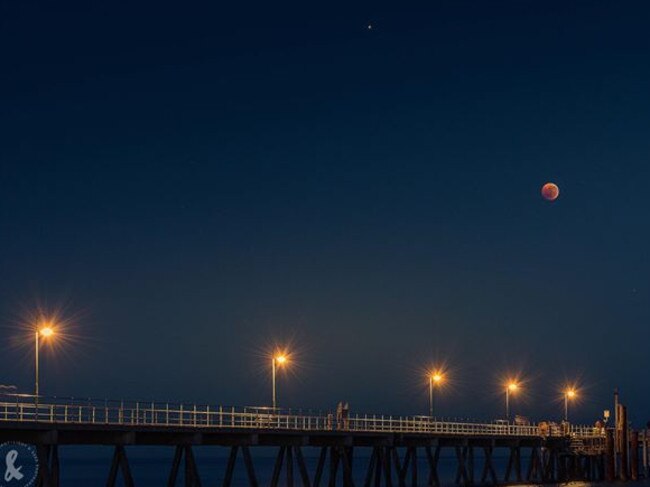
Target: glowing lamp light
[[569, 394], [278, 361], [436, 379], [511, 387], [46, 332]]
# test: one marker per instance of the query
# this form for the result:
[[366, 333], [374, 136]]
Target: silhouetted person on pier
[[345, 415]]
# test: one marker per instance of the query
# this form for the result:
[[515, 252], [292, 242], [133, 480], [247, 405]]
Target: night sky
[[187, 185]]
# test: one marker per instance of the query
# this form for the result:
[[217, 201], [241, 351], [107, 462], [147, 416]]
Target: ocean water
[[150, 466]]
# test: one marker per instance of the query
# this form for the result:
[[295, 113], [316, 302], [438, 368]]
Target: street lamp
[[569, 394], [435, 379], [511, 388], [277, 361], [45, 332]]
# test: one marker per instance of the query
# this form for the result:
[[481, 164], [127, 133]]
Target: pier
[[537, 453]]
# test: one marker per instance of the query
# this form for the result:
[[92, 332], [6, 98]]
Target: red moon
[[550, 191]]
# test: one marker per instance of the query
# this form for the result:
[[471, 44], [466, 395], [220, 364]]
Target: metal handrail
[[87, 411]]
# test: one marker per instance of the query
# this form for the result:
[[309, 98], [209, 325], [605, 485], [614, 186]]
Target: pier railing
[[129, 413]]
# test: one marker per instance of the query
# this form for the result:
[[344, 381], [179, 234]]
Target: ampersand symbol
[[12, 472]]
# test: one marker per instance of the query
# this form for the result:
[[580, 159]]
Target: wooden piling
[[610, 456], [644, 452], [624, 444], [634, 455]]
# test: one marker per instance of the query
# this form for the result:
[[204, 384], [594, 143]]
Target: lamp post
[[511, 387], [435, 379], [45, 332], [568, 394], [278, 360]]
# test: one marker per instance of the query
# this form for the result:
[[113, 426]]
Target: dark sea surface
[[150, 466]]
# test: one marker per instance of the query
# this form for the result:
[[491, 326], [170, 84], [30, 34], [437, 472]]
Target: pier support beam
[[48, 466], [410, 462], [232, 461], [488, 467], [120, 462], [192, 478], [432, 460], [514, 462], [551, 466], [623, 443], [610, 456], [320, 465], [643, 439], [461, 471], [602, 458], [534, 466], [634, 455], [291, 456], [386, 458]]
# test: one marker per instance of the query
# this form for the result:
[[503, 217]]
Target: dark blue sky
[[191, 183]]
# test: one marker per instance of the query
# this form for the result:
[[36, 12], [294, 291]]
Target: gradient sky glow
[[194, 184]]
